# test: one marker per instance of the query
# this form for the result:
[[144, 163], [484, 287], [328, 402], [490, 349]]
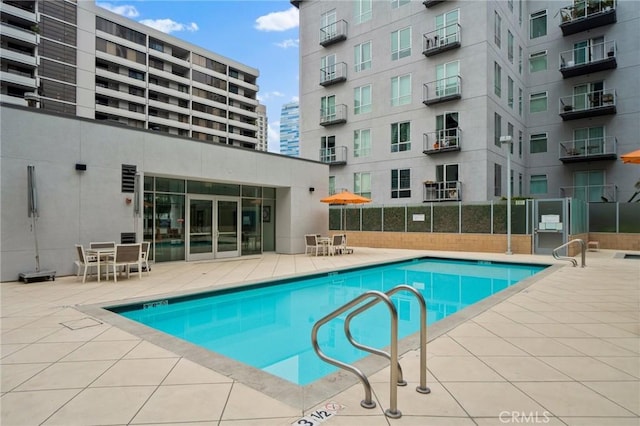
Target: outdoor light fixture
[[311, 189], [508, 140]]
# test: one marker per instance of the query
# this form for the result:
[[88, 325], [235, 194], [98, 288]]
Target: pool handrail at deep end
[[583, 251]]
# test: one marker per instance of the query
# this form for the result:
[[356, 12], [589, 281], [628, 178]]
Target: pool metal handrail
[[583, 251], [422, 388], [367, 402]]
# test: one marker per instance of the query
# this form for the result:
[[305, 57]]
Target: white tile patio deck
[[563, 350]]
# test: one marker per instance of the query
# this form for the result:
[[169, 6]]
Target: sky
[[262, 34]]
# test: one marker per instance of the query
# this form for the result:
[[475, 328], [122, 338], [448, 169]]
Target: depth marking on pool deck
[[320, 415]]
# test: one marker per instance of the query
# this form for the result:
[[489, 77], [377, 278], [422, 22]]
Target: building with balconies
[[123, 72], [400, 80]]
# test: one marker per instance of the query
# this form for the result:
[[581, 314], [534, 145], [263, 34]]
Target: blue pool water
[[268, 326]]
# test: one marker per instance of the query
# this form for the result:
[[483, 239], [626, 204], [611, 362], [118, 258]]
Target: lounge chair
[[84, 261], [346, 249], [102, 244], [125, 255]]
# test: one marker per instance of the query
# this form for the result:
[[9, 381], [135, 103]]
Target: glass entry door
[[213, 228]]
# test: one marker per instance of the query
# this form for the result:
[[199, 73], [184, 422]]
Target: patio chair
[[102, 244], [312, 244], [144, 256], [125, 255], [85, 262], [337, 244], [346, 249]]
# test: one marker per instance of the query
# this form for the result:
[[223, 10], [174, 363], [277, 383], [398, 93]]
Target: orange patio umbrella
[[345, 197], [631, 157]]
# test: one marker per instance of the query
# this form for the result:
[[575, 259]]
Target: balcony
[[585, 15], [591, 194], [588, 59], [442, 191], [445, 140], [333, 74], [441, 40], [443, 90], [333, 115], [593, 149], [431, 3], [335, 156], [585, 105], [333, 33]]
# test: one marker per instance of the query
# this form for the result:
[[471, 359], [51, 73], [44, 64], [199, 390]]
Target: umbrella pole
[[35, 236]]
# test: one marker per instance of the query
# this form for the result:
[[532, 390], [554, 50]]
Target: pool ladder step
[[396, 377]]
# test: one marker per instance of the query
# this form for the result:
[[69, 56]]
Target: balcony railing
[[443, 90], [333, 33], [586, 14], [444, 140], [336, 155], [590, 104], [333, 115], [441, 40], [588, 149], [442, 191], [588, 59], [592, 193], [333, 74]]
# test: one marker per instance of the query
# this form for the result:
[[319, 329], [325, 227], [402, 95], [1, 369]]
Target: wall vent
[[128, 178]]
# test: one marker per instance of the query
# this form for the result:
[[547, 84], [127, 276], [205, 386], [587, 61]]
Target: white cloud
[[169, 26], [295, 99], [124, 10], [265, 96], [278, 21], [273, 137], [285, 44]]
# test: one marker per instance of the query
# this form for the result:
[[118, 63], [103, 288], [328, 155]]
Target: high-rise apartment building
[[79, 59], [263, 128], [407, 101], [290, 129]]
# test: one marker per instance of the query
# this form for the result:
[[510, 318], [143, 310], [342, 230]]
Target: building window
[[519, 183], [400, 44], [538, 24], [589, 185], [362, 143], [538, 102], [538, 184], [497, 180], [510, 46], [362, 99], [497, 128], [497, 79], [332, 185], [362, 184], [397, 3], [519, 59], [328, 108], [328, 68], [589, 140], [362, 56], [401, 136], [520, 101], [538, 61], [363, 11], [520, 143], [510, 133], [538, 143], [401, 90], [497, 28], [400, 183], [510, 92]]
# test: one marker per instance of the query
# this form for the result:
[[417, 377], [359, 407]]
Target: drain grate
[[632, 256]]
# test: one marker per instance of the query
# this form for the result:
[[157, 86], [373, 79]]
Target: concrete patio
[[563, 349]]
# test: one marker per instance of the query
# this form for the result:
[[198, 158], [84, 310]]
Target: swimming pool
[[268, 325]]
